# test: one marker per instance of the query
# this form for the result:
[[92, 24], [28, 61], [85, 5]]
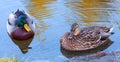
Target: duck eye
[[73, 29]]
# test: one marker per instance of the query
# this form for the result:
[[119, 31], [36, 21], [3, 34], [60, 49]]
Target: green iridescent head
[[21, 21]]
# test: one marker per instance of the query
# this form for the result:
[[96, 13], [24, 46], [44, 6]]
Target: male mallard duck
[[20, 26], [84, 39], [21, 29]]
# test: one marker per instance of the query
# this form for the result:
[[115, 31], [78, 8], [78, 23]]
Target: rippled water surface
[[53, 18]]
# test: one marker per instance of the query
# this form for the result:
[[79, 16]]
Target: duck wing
[[90, 34]]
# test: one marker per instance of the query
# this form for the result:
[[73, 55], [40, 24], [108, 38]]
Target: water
[[53, 18]]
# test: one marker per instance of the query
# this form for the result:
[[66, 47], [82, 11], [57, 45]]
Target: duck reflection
[[70, 54], [23, 45]]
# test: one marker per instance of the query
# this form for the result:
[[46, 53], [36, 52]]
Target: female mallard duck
[[84, 39], [20, 26], [21, 29]]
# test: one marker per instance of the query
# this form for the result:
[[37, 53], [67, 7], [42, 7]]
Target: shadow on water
[[70, 54]]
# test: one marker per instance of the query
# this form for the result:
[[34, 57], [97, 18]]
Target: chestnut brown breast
[[21, 34]]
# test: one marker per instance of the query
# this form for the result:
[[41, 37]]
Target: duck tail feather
[[111, 29]]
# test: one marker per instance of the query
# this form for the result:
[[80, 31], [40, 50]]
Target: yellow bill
[[27, 28]]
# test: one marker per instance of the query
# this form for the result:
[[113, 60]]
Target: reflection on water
[[93, 12], [70, 54], [38, 9], [103, 57], [23, 45], [117, 24], [51, 24]]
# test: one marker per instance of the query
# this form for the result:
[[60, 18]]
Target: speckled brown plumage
[[88, 38]]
